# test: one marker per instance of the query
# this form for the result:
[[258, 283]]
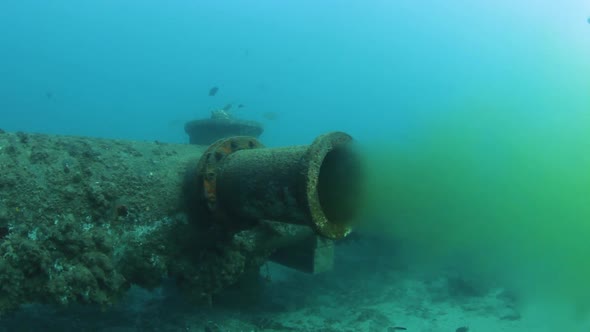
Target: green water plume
[[502, 183]]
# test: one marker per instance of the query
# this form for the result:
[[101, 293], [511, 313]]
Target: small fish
[[270, 115], [227, 107], [462, 329], [241, 105], [49, 95], [397, 328], [213, 91]]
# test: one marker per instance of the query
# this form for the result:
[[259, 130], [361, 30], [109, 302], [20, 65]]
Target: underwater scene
[[220, 166]]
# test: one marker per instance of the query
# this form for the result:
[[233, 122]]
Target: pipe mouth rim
[[314, 158]]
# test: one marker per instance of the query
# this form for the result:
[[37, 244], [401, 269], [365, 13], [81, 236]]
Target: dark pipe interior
[[339, 185]]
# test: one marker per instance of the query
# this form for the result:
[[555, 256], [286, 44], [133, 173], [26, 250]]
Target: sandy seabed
[[367, 291]]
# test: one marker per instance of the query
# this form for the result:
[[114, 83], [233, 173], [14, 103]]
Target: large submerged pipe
[[83, 218], [316, 185]]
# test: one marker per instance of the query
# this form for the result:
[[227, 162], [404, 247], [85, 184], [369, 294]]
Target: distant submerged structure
[[220, 125]]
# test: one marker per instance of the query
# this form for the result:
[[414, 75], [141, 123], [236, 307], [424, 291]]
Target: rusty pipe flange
[[211, 161]]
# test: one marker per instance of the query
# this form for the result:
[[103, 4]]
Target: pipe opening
[[333, 179], [339, 185]]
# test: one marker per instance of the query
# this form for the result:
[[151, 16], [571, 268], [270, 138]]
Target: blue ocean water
[[377, 69], [140, 69]]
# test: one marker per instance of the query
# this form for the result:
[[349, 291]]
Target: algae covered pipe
[[315, 185], [81, 219]]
